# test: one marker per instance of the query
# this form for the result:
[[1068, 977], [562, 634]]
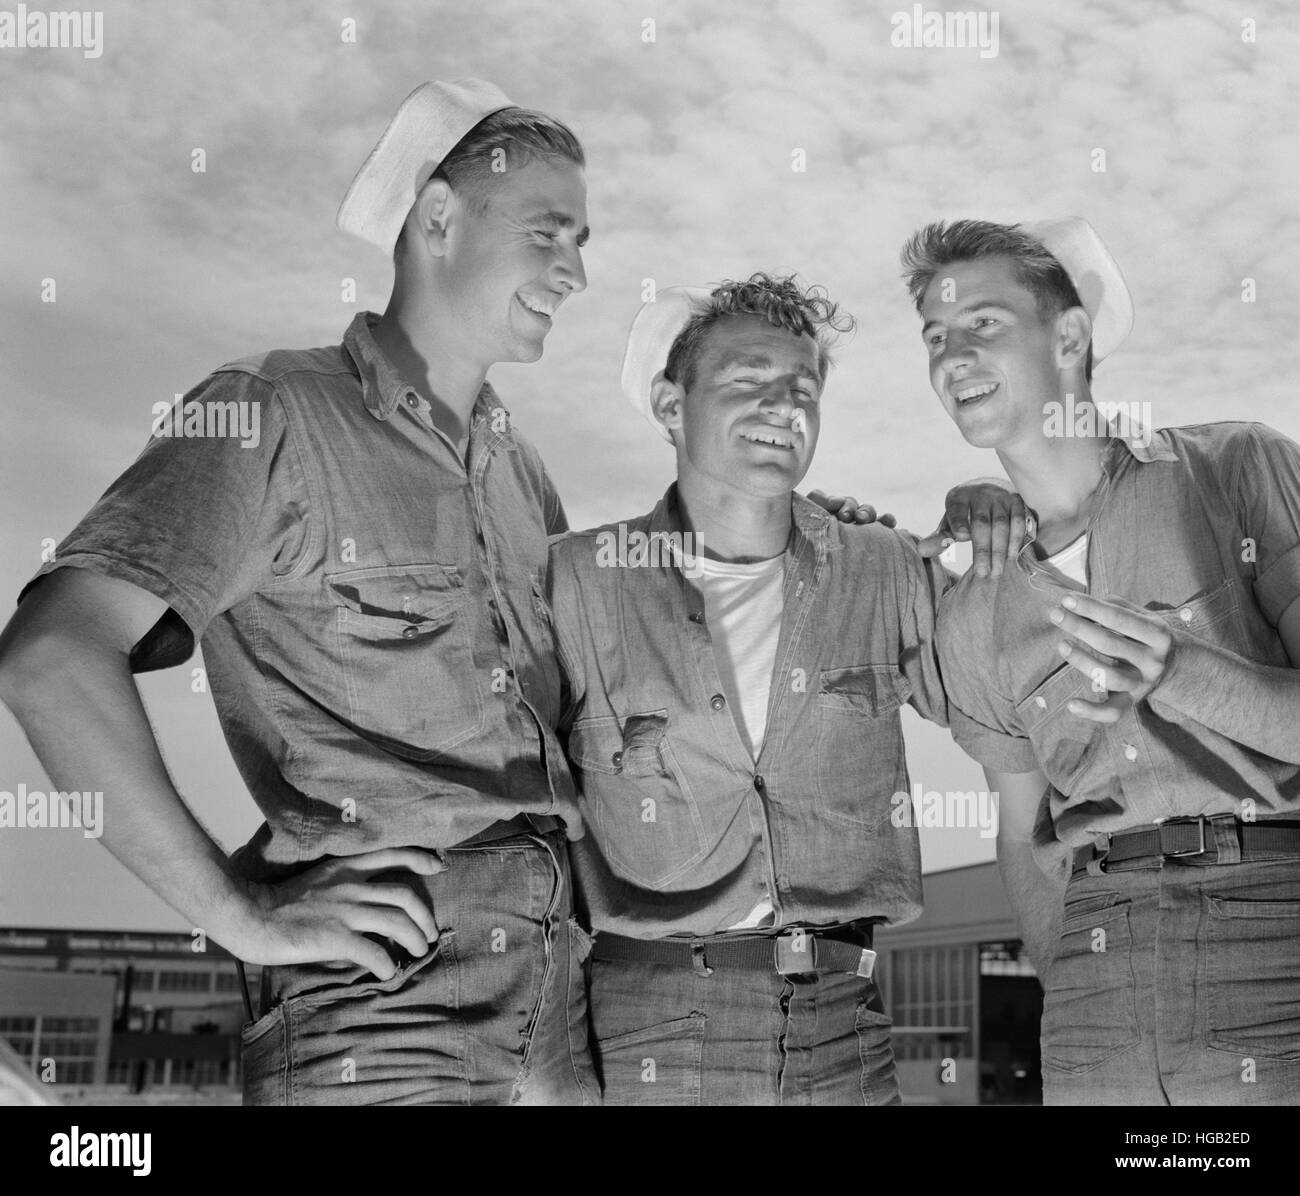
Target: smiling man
[[366, 582], [1129, 684], [733, 716]]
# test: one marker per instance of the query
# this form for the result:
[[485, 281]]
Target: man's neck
[[732, 526], [1057, 476], [416, 338]]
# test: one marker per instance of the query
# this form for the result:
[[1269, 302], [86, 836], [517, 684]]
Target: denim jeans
[[1177, 985], [495, 1013], [673, 1036]]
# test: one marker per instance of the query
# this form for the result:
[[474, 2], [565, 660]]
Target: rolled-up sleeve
[[983, 721]]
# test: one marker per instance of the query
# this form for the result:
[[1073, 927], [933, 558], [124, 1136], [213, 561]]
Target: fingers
[[369, 955], [389, 922], [1103, 676], [1106, 711], [1100, 638], [888, 520], [417, 908], [1001, 537], [423, 863], [981, 536], [1128, 621], [1017, 531], [936, 542]]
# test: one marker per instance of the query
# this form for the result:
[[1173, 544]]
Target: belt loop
[[1227, 839], [1100, 850], [698, 966]]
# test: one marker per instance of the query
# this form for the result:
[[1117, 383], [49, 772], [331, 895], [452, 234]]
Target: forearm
[[1251, 704], [1037, 900], [85, 720]]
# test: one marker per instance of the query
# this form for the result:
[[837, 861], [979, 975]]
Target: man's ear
[[434, 209], [1073, 336], [666, 400]]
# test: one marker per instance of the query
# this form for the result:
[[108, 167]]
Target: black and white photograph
[[650, 553]]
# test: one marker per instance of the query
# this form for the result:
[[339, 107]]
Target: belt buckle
[[866, 964], [795, 953], [1200, 850]]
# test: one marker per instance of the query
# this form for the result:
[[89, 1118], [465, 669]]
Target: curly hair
[[782, 302], [937, 245]]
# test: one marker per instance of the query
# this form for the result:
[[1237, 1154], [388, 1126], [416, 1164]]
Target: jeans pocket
[[658, 1065], [1090, 998], [264, 1059], [876, 1054], [1253, 968]]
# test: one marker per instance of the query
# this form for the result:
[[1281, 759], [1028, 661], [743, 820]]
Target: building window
[[20, 1034], [184, 982], [930, 994], [227, 982]]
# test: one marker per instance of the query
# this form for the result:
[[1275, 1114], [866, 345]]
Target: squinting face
[[751, 418], [512, 266], [992, 360]]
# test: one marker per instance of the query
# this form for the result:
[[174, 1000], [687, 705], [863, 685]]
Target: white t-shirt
[[1072, 560], [742, 606]]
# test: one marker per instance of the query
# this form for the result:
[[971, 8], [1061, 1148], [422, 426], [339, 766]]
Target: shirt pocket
[[859, 739], [638, 804], [1061, 740], [408, 662], [1203, 614]]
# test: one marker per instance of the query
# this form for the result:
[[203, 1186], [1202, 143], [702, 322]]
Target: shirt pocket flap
[[871, 689], [598, 745], [1066, 683], [1203, 610], [397, 602]]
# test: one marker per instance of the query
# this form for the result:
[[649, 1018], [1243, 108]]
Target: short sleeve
[[983, 720], [557, 522], [1268, 496], [211, 511], [926, 581], [565, 599]]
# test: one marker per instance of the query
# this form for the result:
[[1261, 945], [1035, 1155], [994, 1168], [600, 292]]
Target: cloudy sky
[[691, 128]]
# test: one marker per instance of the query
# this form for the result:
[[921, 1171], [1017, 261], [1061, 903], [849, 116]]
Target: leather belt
[[796, 952], [1189, 838]]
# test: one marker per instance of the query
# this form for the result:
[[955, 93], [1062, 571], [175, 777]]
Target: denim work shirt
[[370, 607], [685, 831], [1202, 526]]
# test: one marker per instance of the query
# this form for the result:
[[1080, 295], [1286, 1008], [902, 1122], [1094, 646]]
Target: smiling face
[[993, 360], [751, 417], [513, 264]]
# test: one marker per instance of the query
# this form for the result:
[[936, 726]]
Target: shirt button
[[717, 701], [409, 633], [1185, 614], [617, 760], [1130, 752], [1040, 702], [759, 783]]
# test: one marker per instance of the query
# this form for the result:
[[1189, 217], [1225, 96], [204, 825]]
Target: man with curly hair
[[735, 662]]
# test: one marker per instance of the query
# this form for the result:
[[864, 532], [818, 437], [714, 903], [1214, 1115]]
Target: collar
[[810, 524], [383, 389], [1141, 444]]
